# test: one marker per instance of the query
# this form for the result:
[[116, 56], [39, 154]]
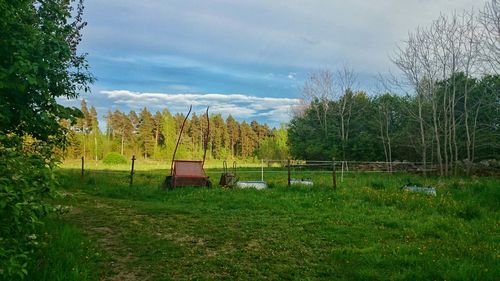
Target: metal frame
[[193, 174]]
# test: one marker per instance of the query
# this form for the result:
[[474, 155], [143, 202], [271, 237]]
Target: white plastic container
[[301, 182], [252, 184]]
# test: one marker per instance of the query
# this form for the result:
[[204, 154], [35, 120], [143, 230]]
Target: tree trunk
[[467, 130], [382, 137], [123, 143], [388, 142], [422, 135], [95, 144]]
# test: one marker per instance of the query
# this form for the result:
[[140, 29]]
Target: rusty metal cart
[[188, 172], [228, 179]]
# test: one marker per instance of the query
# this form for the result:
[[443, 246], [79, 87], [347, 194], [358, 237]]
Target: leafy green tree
[[84, 125], [96, 135], [275, 146], [169, 132], [39, 63], [309, 139]]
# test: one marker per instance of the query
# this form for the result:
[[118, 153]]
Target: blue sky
[[245, 58]]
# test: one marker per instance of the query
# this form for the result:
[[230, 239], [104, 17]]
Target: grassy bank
[[367, 230]]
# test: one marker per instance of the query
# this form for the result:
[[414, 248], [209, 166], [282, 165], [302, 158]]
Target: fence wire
[[278, 170]]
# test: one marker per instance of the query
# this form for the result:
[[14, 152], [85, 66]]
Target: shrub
[[114, 158], [25, 179]]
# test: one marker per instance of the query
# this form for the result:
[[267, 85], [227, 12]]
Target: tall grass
[[67, 254]]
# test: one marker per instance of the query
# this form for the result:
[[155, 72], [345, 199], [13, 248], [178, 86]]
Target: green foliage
[[386, 127], [146, 137], [25, 178], [39, 63], [114, 158], [275, 146], [149, 136], [67, 254]]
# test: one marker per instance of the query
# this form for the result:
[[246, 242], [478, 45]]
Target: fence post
[[132, 171], [289, 179], [334, 176], [83, 165], [262, 169]]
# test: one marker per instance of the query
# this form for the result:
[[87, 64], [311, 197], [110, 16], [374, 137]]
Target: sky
[[244, 58]]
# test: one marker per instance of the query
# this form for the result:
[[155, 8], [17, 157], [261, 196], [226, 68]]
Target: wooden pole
[[289, 174], [334, 176], [83, 165], [132, 171], [261, 169]]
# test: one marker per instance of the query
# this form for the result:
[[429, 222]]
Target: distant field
[[144, 165], [366, 230]]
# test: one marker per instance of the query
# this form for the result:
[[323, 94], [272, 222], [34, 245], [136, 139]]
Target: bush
[[114, 158], [25, 179]]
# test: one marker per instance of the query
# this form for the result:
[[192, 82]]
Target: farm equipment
[[188, 172], [228, 179]]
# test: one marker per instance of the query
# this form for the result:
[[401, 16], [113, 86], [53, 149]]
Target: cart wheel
[[167, 183], [209, 184]]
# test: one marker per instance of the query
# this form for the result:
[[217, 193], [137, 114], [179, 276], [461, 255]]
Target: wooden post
[[261, 169], [289, 174], [132, 171], [83, 165], [334, 176]]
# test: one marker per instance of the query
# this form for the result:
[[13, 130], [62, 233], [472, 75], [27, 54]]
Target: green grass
[[366, 230], [67, 254]]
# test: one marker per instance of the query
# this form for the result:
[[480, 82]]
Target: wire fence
[[281, 171]]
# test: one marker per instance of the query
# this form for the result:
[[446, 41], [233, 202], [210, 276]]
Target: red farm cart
[[188, 172]]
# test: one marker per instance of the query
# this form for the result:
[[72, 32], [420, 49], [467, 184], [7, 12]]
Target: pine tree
[[95, 131], [247, 140], [134, 121], [233, 132], [216, 136], [195, 135], [122, 128], [169, 132], [145, 135], [157, 132]]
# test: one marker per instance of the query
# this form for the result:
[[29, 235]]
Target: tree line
[[154, 136], [444, 110]]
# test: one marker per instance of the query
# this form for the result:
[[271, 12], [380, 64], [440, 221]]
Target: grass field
[[366, 230]]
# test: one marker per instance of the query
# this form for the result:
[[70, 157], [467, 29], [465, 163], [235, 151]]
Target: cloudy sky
[[245, 58]]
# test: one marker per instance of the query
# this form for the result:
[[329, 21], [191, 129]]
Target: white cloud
[[239, 105]]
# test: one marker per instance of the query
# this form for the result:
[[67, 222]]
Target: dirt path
[[103, 222]]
